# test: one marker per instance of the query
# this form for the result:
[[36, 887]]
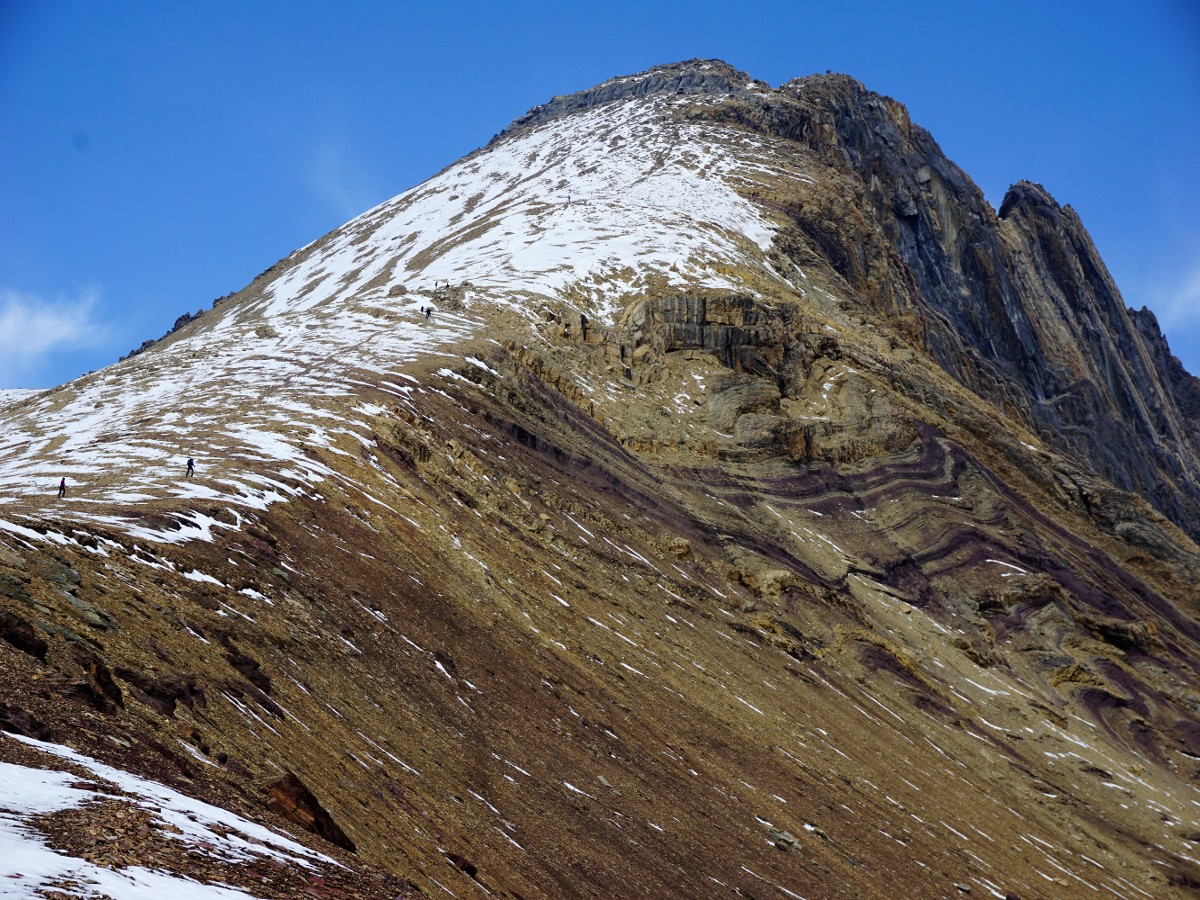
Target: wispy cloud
[[34, 329], [339, 181], [1178, 301]]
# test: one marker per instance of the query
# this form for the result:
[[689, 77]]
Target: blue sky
[[155, 156]]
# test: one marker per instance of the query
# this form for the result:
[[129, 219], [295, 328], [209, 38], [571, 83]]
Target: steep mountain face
[[1017, 306], [698, 491]]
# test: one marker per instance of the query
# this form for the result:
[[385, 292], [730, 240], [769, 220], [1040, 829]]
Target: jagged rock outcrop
[[698, 77], [1017, 305], [292, 799]]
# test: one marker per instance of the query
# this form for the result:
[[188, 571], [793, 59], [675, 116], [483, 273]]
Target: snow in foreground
[[28, 866]]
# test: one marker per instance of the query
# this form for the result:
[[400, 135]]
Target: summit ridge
[[699, 77]]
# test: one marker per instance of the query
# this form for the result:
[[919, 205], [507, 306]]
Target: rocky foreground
[[757, 512]]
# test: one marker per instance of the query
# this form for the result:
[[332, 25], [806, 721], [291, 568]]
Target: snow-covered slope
[[592, 210], [199, 830], [597, 205]]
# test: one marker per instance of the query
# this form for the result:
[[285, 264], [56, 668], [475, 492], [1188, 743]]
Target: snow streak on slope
[[244, 399], [14, 395], [28, 867]]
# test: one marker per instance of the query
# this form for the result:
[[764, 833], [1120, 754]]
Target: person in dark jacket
[[62, 488], [191, 467]]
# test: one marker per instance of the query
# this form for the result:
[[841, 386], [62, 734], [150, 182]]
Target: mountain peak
[[696, 482], [691, 77], [700, 78], [1027, 195]]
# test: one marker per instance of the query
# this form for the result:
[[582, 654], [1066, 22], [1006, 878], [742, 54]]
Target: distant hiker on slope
[[62, 488], [191, 467]]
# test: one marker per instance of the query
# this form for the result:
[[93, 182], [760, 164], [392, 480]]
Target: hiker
[[428, 311], [62, 488], [191, 467]]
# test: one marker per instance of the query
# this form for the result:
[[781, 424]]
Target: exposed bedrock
[[696, 77], [1016, 304], [778, 383]]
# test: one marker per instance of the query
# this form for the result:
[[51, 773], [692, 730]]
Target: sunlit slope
[[593, 210], [639, 507]]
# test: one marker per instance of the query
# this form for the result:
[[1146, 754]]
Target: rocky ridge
[[737, 523]]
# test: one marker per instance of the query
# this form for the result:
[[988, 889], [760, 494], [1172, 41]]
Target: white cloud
[[33, 329], [338, 181], [1178, 303]]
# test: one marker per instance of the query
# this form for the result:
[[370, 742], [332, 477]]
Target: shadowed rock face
[[1017, 306], [858, 579], [294, 801]]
